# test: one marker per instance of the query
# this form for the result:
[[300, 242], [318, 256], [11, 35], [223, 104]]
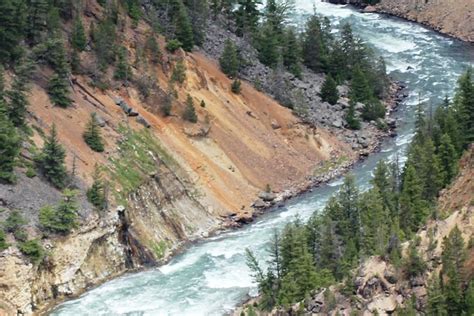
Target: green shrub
[[14, 222], [236, 86], [179, 72], [33, 250], [62, 218], [189, 113], [92, 135], [173, 45], [3, 240], [30, 172]]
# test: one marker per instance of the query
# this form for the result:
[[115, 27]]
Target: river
[[211, 277]]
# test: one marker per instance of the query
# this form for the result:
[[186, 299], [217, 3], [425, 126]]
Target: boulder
[[267, 196], [417, 281], [275, 125], [370, 9], [390, 275], [259, 203]]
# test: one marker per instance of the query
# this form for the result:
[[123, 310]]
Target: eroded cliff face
[[451, 17]]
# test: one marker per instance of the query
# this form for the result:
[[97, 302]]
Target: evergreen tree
[[448, 159], [78, 36], [414, 265], [58, 86], [96, 193], [51, 160], [292, 53], [236, 86], [352, 120], [268, 49], [12, 22], [183, 28], [436, 300], [314, 51], [247, 16], [468, 297], [152, 47], [189, 113], [104, 42], [198, 11], [62, 218], [413, 208], [453, 258], [374, 223], [464, 104], [9, 143], [179, 72], [360, 89], [329, 91], [92, 135], [17, 95], [122, 70], [229, 60], [38, 13], [58, 90]]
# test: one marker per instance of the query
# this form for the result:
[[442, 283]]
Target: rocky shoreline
[[270, 201], [456, 23]]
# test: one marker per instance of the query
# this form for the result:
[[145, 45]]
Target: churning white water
[[211, 277]]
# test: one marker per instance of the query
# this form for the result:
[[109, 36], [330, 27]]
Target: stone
[[259, 203], [337, 123], [267, 196], [370, 9], [275, 125], [390, 275], [417, 281]]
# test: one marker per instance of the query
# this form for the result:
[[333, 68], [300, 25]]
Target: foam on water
[[211, 277]]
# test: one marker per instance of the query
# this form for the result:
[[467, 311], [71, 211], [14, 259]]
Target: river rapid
[[211, 277]]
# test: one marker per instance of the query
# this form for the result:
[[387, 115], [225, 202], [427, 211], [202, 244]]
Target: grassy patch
[[329, 165], [159, 249], [139, 155]]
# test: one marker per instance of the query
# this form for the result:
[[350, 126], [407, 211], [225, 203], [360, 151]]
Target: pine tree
[[229, 60], [436, 300], [360, 89], [329, 91], [374, 223], [78, 36], [268, 49], [51, 160], [448, 159], [247, 16], [62, 218], [38, 12], [464, 104], [183, 27], [198, 11], [9, 141], [12, 22], [92, 135], [351, 118], [189, 113], [122, 70], [453, 258], [58, 86], [17, 96], [414, 264], [58, 90], [413, 208], [236, 86], [468, 297], [314, 52], [152, 47], [96, 193], [292, 53], [179, 72]]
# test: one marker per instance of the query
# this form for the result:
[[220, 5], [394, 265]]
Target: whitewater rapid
[[211, 277]]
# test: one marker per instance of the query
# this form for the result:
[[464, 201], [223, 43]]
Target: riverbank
[[334, 169]]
